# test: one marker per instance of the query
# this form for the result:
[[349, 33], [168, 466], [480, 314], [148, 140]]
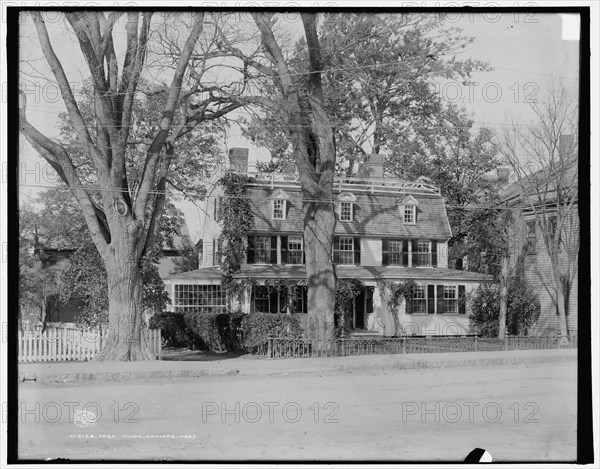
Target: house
[[533, 198], [387, 230]]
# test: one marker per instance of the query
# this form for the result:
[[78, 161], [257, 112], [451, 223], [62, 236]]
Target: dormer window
[[345, 206], [279, 200], [279, 209], [408, 210]]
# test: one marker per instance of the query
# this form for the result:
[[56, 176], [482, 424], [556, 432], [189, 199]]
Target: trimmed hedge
[[174, 329], [215, 331], [257, 327]]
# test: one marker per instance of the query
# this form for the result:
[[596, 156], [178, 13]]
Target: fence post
[[505, 343], [476, 343], [343, 342], [403, 345], [270, 347], [159, 344]]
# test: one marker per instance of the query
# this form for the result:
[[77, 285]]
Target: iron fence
[[354, 346]]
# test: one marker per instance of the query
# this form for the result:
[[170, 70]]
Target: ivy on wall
[[236, 221], [393, 293]]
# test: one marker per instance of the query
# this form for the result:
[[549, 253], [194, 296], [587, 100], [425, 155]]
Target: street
[[523, 413]]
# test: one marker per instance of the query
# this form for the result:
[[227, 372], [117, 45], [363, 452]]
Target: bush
[[215, 331], [523, 309], [174, 330], [257, 327]]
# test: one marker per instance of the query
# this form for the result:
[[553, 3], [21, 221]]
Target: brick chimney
[[238, 160], [566, 146], [373, 167]]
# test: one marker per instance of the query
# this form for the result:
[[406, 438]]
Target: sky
[[527, 52]]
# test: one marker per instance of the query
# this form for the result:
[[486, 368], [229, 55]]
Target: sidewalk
[[126, 371]]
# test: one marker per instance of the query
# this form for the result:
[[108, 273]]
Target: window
[[423, 254], [262, 249], [409, 214], [530, 238], [261, 299], [450, 304], [299, 300], [218, 208], [346, 211], [206, 298], [294, 254], [346, 250], [420, 299], [279, 209], [395, 252]]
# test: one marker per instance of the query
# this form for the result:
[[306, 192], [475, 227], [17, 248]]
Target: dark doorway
[[363, 305]]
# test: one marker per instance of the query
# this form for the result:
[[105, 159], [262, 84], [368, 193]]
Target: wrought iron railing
[[354, 346]]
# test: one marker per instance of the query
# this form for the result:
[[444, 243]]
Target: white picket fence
[[70, 344]]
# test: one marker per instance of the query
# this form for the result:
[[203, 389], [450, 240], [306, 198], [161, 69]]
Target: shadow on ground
[[201, 355]]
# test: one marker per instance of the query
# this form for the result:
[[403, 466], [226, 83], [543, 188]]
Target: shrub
[[174, 330], [523, 309], [215, 331], [257, 327]]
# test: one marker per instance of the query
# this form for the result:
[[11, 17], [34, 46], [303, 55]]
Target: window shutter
[[405, 253], [220, 208], [273, 249], [215, 208], [336, 250], [430, 299], [440, 299], [462, 303], [273, 295], [250, 251], [303, 253], [433, 253], [357, 251], [415, 249], [214, 252], [409, 305], [384, 252], [284, 249], [304, 299]]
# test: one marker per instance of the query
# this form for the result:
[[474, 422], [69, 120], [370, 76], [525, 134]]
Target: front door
[[359, 311]]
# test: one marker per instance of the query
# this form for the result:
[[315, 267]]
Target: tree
[[543, 156], [123, 220], [188, 257], [298, 103]]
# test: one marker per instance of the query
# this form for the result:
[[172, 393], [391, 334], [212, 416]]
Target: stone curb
[[404, 363]]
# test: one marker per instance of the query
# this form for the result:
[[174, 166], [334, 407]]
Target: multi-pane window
[[299, 300], [423, 254], [346, 211], [202, 297], [261, 299], [409, 214], [420, 299], [346, 250], [450, 299], [395, 252], [294, 254], [278, 209], [262, 249]]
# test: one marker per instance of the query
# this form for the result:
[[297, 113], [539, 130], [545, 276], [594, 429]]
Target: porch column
[[379, 309], [246, 298]]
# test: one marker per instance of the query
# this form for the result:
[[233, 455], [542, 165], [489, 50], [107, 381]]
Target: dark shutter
[[273, 249], [284, 249], [430, 299], [384, 252], [303, 253], [409, 305], [219, 208], [440, 299], [405, 253], [462, 303], [433, 253], [273, 296], [214, 251], [215, 208], [304, 299], [336, 250], [357, 251], [250, 251], [415, 250]]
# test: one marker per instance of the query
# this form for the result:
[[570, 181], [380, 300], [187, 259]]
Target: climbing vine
[[346, 291], [393, 294], [236, 222]]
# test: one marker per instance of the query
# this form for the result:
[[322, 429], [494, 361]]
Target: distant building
[[387, 229]]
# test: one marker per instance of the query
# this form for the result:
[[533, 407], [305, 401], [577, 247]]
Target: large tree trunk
[[503, 297], [126, 340], [318, 233]]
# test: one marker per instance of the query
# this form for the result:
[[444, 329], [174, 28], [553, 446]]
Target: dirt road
[[524, 413]]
